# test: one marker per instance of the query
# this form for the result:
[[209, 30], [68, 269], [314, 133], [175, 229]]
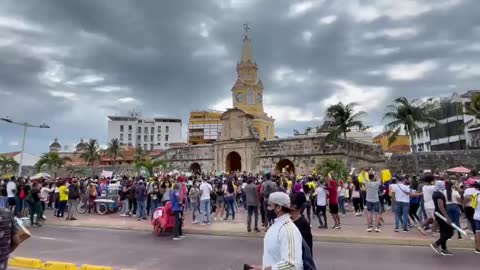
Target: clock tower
[[247, 92]]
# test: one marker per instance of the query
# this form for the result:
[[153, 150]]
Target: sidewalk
[[353, 229]]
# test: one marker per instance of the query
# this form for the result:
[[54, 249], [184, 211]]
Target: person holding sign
[[445, 224]]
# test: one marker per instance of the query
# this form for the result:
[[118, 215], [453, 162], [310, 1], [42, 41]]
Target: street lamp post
[[25, 126]]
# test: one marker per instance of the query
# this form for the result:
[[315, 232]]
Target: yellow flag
[[361, 177], [386, 175]]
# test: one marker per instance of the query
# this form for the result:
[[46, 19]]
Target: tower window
[[249, 75], [250, 97]]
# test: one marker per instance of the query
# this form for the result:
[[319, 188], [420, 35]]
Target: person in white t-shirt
[[205, 208], [428, 203], [321, 209], [467, 201], [476, 218], [401, 196], [11, 192]]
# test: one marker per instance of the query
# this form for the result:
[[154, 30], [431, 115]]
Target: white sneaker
[[177, 238], [370, 229], [195, 222], [182, 236]]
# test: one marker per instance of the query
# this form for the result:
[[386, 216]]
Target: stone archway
[[286, 164], [195, 168], [233, 162]]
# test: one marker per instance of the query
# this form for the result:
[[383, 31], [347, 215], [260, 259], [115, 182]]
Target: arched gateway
[[233, 162]]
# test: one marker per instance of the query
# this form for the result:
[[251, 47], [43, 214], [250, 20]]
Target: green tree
[[336, 168], [8, 164], [91, 153], [405, 115], [149, 164], [474, 107], [343, 118], [114, 150], [52, 161]]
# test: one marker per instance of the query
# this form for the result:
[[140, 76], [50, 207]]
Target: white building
[[149, 134]]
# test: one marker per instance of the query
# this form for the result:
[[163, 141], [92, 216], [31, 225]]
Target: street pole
[[23, 149]]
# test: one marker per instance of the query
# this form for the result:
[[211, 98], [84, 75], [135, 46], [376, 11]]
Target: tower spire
[[247, 51]]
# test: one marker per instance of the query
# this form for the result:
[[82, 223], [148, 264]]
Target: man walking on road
[[73, 196], [373, 202], [446, 230], [282, 245], [252, 201], [268, 187], [205, 208], [140, 195]]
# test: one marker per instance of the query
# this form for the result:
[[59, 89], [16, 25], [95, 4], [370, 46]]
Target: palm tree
[[343, 119], [114, 150], [53, 161], [149, 164], [139, 154], [406, 115], [474, 108], [8, 164], [91, 153]]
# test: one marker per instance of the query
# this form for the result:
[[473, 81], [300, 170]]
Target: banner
[[107, 174]]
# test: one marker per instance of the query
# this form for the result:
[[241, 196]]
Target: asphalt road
[[143, 251]]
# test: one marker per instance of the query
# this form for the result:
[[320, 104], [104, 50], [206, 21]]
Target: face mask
[[271, 214]]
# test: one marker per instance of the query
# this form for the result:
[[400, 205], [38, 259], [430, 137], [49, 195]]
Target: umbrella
[[40, 175], [459, 170]]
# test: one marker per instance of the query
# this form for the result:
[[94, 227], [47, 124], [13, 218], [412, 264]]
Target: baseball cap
[[280, 198]]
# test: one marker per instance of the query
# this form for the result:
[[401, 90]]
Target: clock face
[[239, 97], [259, 98]]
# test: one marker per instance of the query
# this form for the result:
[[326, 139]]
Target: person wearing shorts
[[333, 203], [372, 186], [220, 201]]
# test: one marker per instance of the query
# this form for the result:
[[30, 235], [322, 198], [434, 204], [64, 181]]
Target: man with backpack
[[283, 245], [268, 187]]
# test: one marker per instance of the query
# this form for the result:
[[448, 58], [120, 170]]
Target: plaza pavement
[[353, 229]]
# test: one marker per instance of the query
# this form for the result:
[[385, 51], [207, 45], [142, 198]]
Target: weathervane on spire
[[246, 27]]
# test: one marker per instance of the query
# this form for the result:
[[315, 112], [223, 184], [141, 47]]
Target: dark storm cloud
[[72, 63]]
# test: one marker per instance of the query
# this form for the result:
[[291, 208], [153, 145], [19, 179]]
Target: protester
[[321, 206], [219, 201], [194, 197], [177, 209], [62, 198], [45, 195], [341, 198], [73, 197], [401, 199], [282, 245], [453, 201], [297, 200], [155, 196], [122, 193], [333, 203], [467, 196], [205, 208], [476, 217], [229, 191], [446, 230], [34, 207], [268, 187], [372, 185], [428, 203], [11, 193], [414, 206], [252, 202], [357, 198], [140, 197]]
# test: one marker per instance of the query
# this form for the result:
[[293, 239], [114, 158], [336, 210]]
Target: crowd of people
[[210, 197]]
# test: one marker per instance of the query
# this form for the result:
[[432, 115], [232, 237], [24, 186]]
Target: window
[[145, 138], [166, 129], [139, 137], [249, 75], [159, 137], [121, 128], [145, 147], [129, 128], [121, 137], [151, 138], [129, 137], [166, 138], [146, 130], [159, 129], [139, 145], [152, 130], [151, 146], [139, 130]]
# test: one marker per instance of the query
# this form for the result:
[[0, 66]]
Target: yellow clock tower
[[247, 92]]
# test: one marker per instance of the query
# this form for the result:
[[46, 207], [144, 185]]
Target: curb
[[31, 263], [323, 238]]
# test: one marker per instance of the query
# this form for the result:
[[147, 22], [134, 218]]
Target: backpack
[[307, 259], [308, 262], [269, 188], [475, 201]]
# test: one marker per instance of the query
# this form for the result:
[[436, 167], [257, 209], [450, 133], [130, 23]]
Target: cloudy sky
[[72, 63]]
